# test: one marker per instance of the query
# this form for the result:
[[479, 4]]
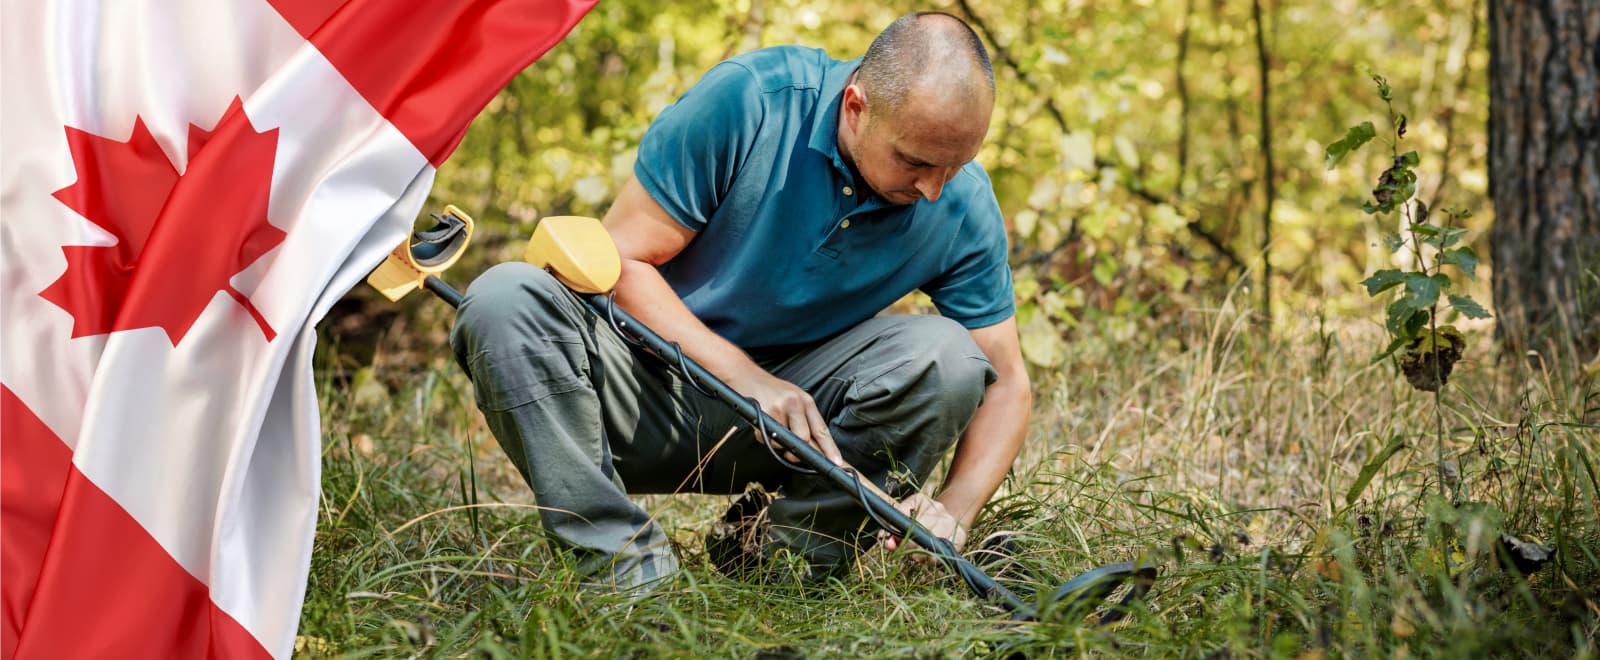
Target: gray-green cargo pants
[[588, 420]]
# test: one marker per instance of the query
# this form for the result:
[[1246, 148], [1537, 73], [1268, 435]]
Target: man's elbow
[[1014, 387]]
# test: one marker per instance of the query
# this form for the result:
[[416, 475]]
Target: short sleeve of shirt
[[690, 154], [976, 290]]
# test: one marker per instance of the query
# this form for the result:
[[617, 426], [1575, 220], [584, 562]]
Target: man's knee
[[940, 371], [518, 336], [509, 297], [950, 363]]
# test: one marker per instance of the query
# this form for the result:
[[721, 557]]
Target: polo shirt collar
[[825, 128]]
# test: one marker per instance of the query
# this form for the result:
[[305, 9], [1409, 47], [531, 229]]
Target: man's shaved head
[[930, 55], [918, 108]]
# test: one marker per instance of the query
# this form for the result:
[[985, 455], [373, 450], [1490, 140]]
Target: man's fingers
[[959, 538], [797, 425], [820, 435], [796, 422], [931, 515], [794, 409]]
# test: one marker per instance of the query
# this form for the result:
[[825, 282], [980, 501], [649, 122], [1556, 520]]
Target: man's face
[[912, 152]]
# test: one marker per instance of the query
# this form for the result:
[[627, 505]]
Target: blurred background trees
[[1129, 149]]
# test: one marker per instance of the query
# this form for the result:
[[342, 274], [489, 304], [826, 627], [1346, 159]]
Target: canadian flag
[[186, 187]]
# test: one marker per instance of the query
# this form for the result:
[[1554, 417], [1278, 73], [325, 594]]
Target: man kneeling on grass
[[775, 209]]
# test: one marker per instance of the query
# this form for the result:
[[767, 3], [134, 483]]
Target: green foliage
[[1468, 307], [1353, 139], [1131, 184], [1463, 258], [1371, 469], [1412, 314]]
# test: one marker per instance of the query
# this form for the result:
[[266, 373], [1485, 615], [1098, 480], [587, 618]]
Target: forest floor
[[1291, 493]]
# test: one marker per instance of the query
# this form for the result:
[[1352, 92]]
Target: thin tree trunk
[[1183, 101], [1544, 171], [1266, 153]]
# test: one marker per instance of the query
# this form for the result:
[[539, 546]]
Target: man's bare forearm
[[987, 449], [645, 294]]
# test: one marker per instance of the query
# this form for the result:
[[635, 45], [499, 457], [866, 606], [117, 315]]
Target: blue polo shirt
[[789, 248]]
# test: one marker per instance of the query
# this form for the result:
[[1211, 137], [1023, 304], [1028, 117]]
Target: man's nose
[[931, 185]]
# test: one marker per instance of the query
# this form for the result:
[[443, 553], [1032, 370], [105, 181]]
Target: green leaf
[[1042, 344], [1409, 158], [1422, 291], [1469, 307], [1370, 470], [1452, 236], [1463, 258], [1104, 270], [1416, 323], [1399, 317], [1394, 242], [1391, 348], [1408, 189], [1383, 280], [1352, 140]]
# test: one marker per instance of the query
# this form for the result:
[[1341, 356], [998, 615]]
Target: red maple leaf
[[180, 237]]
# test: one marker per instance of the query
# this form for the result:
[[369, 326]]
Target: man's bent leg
[[897, 391], [542, 366]]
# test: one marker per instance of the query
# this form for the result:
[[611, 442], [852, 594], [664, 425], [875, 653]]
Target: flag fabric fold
[[186, 187]]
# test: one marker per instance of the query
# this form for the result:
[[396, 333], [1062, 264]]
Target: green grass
[[1227, 459]]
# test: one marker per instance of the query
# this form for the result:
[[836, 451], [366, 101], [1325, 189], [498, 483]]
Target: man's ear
[[854, 107]]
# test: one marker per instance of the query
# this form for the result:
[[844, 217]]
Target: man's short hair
[[923, 46]]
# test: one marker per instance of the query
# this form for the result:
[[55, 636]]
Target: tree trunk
[[1544, 169]]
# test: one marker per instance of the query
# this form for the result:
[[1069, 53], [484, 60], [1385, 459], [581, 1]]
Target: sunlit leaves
[[1383, 280], [1353, 139], [1468, 307], [1393, 242], [1463, 258], [1105, 269], [1042, 344], [1422, 290], [1442, 237], [1084, 144], [1077, 151], [1166, 218]]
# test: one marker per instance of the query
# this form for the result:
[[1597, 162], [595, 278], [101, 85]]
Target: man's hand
[[646, 237], [930, 514], [791, 406]]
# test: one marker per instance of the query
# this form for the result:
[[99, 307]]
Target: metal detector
[[581, 255]]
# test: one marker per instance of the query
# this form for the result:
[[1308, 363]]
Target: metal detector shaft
[[1092, 585], [445, 292], [881, 508]]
